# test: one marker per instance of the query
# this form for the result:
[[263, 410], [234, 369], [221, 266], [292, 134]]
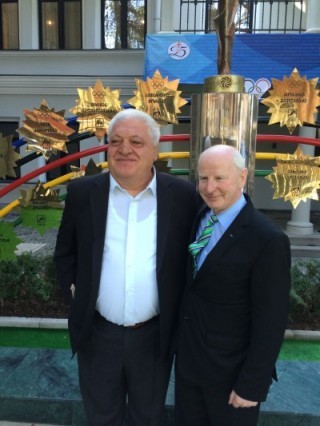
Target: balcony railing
[[253, 16]]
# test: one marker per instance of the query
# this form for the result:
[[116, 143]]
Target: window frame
[[1, 26], [123, 25], [61, 26]]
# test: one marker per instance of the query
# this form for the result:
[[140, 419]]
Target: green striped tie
[[196, 247]]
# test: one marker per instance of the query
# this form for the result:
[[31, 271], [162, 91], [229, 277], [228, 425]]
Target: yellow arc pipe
[[162, 156]]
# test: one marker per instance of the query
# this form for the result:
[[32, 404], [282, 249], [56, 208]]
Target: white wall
[[28, 76]]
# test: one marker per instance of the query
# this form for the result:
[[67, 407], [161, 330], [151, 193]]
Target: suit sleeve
[[270, 288], [65, 255]]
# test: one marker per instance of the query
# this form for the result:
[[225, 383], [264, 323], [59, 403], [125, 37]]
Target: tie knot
[[213, 218]]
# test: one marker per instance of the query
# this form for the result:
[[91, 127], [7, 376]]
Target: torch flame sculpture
[[225, 29]]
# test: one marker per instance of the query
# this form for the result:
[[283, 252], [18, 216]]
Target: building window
[[60, 24], [253, 16], [9, 28], [123, 24]]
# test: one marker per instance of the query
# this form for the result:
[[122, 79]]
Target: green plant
[[305, 289], [26, 278], [28, 288]]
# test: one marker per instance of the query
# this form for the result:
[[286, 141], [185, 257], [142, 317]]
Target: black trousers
[[201, 406], [122, 367]]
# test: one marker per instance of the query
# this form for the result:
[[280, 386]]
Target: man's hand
[[237, 402]]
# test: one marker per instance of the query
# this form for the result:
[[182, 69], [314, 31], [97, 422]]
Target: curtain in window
[[50, 25], [72, 25], [9, 26], [61, 24]]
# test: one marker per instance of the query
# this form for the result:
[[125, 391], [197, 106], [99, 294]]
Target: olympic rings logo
[[179, 50], [98, 94], [295, 84], [259, 87], [156, 84]]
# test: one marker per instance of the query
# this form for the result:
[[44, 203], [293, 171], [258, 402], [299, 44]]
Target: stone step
[[312, 252], [41, 386], [305, 246], [312, 240]]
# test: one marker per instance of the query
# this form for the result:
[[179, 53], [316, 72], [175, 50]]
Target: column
[[28, 25], [300, 216], [313, 16], [91, 24]]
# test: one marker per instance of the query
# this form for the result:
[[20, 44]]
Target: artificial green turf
[[300, 350], [34, 338], [295, 350]]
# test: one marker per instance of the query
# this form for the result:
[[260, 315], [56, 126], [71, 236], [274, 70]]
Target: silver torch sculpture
[[224, 113]]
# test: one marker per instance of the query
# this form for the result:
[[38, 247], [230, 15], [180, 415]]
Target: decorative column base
[[300, 228], [299, 224]]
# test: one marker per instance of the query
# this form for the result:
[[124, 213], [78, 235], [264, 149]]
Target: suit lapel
[[229, 238], [99, 205], [165, 200], [203, 210]]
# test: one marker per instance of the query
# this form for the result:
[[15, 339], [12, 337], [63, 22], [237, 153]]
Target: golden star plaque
[[39, 196], [162, 165], [8, 157], [296, 177], [293, 101], [78, 172], [95, 108], [159, 98], [89, 170], [45, 130]]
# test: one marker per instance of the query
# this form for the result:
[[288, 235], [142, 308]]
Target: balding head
[[225, 151]]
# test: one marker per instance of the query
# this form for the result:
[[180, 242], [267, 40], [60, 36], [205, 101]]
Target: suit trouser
[[204, 406], [121, 366]]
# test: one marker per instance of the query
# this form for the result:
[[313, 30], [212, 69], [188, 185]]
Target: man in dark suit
[[235, 306], [121, 255]]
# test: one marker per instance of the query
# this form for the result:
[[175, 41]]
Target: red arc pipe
[[164, 138]]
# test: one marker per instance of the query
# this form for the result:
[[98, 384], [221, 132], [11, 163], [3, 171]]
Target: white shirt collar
[[152, 185]]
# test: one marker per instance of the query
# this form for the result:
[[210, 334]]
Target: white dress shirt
[[128, 291]]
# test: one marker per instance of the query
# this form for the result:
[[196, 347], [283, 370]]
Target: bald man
[[235, 306]]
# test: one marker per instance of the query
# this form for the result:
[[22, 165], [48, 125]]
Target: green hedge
[[32, 278], [305, 291], [28, 277]]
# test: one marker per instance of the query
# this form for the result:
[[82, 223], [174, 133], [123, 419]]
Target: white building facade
[[31, 74]]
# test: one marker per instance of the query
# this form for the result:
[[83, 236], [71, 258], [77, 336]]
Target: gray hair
[[238, 159], [134, 114]]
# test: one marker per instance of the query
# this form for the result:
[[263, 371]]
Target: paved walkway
[[41, 386], [23, 424]]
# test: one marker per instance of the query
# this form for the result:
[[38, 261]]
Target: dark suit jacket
[[80, 242], [235, 310]]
